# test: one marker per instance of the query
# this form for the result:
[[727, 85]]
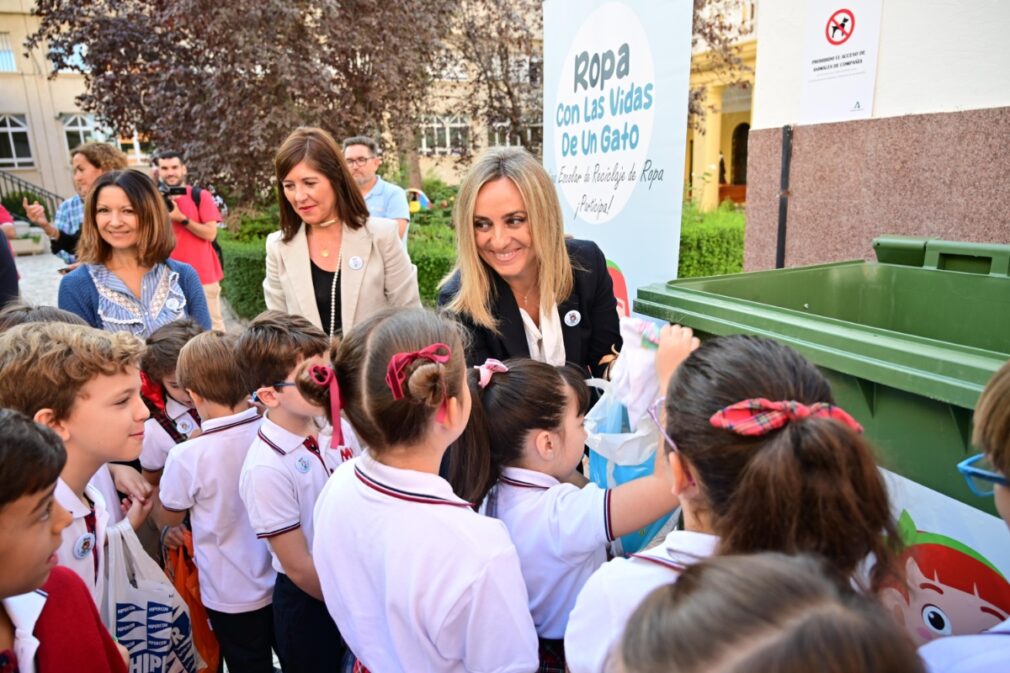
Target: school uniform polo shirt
[[157, 441], [202, 476], [616, 589], [560, 532], [106, 485], [281, 479], [24, 611], [83, 546], [415, 579], [981, 653]]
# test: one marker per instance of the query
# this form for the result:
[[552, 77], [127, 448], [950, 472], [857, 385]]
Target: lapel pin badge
[[84, 545], [356, 263], [573, 318]]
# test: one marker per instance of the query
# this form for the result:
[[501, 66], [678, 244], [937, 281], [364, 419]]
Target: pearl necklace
[[333, 292]]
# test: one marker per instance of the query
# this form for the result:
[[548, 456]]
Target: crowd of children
[[372, 503]]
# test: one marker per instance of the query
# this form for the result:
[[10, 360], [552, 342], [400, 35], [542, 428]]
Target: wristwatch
[[185, 222]]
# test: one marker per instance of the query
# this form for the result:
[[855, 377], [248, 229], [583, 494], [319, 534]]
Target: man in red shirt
[[195, 219]]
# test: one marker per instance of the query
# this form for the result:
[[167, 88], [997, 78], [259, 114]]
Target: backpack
[[195, 193]]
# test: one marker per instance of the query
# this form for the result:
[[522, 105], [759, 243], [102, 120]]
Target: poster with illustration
[[957, 561], [616, 78]]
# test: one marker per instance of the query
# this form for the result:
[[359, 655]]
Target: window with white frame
[[7, 62], [444, 135], [15, 150], [530, 136], [79, 129]]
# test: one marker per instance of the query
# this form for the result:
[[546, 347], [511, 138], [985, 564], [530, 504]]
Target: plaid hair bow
[[760, 416]]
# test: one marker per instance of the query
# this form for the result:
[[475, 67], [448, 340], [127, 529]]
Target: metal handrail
[[12, 184]]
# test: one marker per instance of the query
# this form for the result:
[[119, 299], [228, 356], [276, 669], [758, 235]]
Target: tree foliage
[[225, 82]]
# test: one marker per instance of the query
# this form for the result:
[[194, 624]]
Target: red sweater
[[70, 632]]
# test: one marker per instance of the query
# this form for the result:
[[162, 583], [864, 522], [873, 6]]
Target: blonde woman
[[520, 287], [331, 263]]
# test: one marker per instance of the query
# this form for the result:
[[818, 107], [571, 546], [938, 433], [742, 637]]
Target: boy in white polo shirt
[[286, 468], [202, 476], [84, 384]]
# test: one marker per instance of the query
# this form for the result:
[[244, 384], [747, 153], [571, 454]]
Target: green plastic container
[[907, 342]]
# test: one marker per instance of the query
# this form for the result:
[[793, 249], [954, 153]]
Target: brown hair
[[992, 420], [208, 366], [347, 357], [362, 361], [762, 612], [811, 486], [529, 396], [155, 238], [102, 156], [163, 347], [273, 344], [476, 290], [45, 365], [318, 148], [17, 313]]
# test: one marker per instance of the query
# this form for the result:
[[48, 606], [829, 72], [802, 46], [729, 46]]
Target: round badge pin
[[185, 425], [84, 545], [356, 263], [302, 465], [573, 318], [173, 304]]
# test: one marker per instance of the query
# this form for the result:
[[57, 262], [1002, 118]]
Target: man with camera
[[195, 218]]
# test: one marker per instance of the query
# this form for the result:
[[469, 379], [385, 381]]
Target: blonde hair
[[45, 365], [208, 366], [992, 420], [476, 289], [155, 238]]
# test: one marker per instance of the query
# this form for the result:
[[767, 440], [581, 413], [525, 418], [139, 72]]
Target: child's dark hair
[[810, 486], [361, 363], [774, 613], [208, 366], [164, 345], [347, 358], [529, 396], [273, 344], [18, 313], [31, 456]]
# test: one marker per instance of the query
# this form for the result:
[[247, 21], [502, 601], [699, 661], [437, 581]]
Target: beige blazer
[[384, 276]]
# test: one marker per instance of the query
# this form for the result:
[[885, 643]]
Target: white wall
[[935, 56]]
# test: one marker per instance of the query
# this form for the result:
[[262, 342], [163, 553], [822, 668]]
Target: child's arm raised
[[292, 551]]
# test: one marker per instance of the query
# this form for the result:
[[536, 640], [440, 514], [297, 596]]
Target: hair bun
[[426, 383]]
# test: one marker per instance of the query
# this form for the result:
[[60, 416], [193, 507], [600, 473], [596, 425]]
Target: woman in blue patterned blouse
[[126, 281]]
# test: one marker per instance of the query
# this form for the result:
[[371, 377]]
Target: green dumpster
[[907, 342]]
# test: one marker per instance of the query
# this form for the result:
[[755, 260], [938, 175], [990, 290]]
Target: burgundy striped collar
[[243, 418], [401, 494], [521, 477], [666, 563], [520, 484]]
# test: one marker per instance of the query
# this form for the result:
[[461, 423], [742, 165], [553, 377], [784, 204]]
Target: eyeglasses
[[654, 415], [980, 475], [360, 161]]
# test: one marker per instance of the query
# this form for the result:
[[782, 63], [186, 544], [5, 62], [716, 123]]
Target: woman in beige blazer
[[331, 262]]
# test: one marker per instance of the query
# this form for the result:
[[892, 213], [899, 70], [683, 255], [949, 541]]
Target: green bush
[[250, 224], [244, 271], [13, 203], [711, 244], [433, 249]]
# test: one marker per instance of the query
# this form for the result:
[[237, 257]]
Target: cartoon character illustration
[[620, 289], [950, 589]]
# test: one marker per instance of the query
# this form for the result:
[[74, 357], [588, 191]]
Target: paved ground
[[40, 282]]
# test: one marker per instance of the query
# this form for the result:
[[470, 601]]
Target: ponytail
[[810, 485]]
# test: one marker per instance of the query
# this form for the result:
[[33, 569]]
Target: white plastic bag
[[143, 610]]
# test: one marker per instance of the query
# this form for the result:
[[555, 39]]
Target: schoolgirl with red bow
[[762, 460]]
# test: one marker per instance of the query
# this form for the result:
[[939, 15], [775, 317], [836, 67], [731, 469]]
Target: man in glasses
[[382, 198], [987, 476]]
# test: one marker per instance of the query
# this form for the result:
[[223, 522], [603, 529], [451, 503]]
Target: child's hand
[[138, 510], [130, 482], [675, 344], [174, 537]]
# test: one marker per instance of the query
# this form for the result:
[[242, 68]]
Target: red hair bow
[[324, 375], [760, 416], [396, 373]]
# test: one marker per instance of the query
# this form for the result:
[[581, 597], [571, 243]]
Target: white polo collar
[[521, 477], [24, 611], [409, 485]]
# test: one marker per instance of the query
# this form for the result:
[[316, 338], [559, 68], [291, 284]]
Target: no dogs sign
[[840, 60]]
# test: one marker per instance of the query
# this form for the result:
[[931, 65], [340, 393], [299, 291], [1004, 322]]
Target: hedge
[[14, 203], [711, 244]]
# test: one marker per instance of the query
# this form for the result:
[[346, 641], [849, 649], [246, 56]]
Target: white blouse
[[546, 342]]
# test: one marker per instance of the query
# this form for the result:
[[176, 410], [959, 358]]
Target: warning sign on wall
[[840, 60]]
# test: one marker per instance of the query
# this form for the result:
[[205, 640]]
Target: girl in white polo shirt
[[518, 459], [761, 460], [414, 578]]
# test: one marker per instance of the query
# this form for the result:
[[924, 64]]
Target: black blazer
[[592, 297]]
